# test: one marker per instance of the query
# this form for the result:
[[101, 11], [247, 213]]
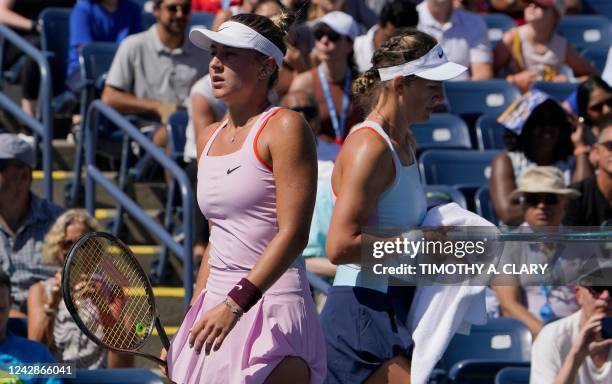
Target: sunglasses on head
[[533, 199], [599, 106], [173, 8], [332, 35], [309, 111]]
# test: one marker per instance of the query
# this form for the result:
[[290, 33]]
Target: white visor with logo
[[237, 35], [432, 66]]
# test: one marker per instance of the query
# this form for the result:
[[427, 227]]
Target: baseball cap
[[342, 23], [13, 147]]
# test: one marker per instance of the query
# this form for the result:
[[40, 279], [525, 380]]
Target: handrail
[[93, 175], [44, 129]]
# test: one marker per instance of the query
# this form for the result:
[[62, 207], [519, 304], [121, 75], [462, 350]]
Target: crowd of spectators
[[556, 169]]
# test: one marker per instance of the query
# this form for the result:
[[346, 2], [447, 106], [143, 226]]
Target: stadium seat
[[501, 339], [479, 97], [177, 128], [586, 30], [442, 194], [497, 24], [456, 167], [489, 133], [484, 207], [599, 7], [54, 41], [479, 371], [513, 375], [559, 91], [95, 60], [115, 376], [197, 19], [597, 55], [442, 131]]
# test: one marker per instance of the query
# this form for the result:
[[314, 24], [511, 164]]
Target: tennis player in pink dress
[[252, 319]]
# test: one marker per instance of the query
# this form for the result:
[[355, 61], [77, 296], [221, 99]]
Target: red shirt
[[212, 6]]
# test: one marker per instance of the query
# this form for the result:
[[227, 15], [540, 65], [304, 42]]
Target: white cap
[[237, 35], [432, 66], [342, 23]]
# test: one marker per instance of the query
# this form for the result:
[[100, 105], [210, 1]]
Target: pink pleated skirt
[[283, 323]]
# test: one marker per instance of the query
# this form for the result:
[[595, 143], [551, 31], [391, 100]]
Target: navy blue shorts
[[363, 329]]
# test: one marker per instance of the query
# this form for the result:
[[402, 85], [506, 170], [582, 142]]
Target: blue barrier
[[95, 176], [43, 129]]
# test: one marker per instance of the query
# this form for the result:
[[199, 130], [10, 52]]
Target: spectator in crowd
[[153, 71], [395, 14], [543, 196], [363, 15], [22, 16], [594, 207], [536, 52], [15, 350], [516, 8], [99, 20], [606, 74], [49, 321], [212, 6], [537, 133], [572, 350], [24, 221], [462, 34], [330, 82]]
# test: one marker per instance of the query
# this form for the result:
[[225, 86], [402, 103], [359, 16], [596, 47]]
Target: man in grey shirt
[[154, 70]]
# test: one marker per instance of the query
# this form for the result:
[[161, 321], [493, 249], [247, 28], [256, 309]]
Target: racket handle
[[162, 333]]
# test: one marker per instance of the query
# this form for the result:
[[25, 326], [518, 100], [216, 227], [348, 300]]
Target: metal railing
[[94, 175], [43, 129]]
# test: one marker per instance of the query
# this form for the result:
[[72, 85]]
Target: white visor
[[432, 66], [237, 35]]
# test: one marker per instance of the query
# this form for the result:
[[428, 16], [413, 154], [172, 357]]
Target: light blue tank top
[[403, 204]]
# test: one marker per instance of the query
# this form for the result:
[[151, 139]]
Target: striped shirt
[[20, 256]]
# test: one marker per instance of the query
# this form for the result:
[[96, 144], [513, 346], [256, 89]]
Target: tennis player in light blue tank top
[[377, 184]]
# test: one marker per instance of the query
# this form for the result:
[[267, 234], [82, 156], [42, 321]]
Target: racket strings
[[116, 307]]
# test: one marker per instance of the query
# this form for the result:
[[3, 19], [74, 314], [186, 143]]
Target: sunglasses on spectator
[[533, 199], [596, 291], [309, 111], [332, 35], [173, 8], [599, 106], [606, 144]]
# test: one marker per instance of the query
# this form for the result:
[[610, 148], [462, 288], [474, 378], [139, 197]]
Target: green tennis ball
[[140, 329]]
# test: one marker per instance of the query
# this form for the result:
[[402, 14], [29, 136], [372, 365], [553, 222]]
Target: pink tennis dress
[[237, 194]]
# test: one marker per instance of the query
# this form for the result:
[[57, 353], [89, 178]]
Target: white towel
[[440, 311]]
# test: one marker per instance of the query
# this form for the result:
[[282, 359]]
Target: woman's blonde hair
[[51, 245], [406, 45]]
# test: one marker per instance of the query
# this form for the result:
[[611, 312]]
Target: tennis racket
[[109, 295]]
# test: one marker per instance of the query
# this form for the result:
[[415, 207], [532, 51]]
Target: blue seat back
[[115, 376], [55, 41], [586, 30], [442, 194], [95, 60], [442, 130], [480, 371], [501, 339], [597, 55], [600, 7], [559, 91], [456, 167], [484, 206], [497, 24], [489, 133], [479, 97], [177, 130], [513, 375]]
